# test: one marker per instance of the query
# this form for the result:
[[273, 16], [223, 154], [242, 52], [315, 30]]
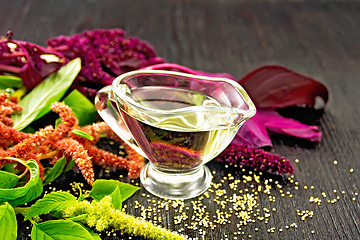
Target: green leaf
[[19, 93], [28, 129], [57, 122], [70, 165], [8, 180], [59, 230], [55, 171], [22, 210], [78, 218], [7, 81], [82, 107], [116, 199], [82, 134], [10, 167], [8, 224], [31, 190], [55, 201], [103, 187], [37, 103], [92, 233]]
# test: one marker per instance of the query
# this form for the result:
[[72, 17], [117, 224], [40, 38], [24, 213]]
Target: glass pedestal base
[[176, 185]]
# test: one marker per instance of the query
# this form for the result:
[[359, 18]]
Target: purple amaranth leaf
[[273, 87], [36, 69], [28, 61], [253, 133], [277, 124], [259, 159]]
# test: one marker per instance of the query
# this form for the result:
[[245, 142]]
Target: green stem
[[24, 173], [32, 221], [18, 161], [22, 210]]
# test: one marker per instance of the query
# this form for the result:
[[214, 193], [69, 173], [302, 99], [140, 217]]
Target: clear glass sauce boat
[[178, 122]]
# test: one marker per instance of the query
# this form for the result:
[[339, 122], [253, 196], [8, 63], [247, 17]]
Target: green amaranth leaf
[[7, 81], [55, 201], [92, 233], [78, 218], [82, 107], [37, 103], [31, 190], [57, 122], [21, 210], [59, 230], [70, 165], [19, 93], [116, 199], [8, 224], [103, 187], [55, 171], [10, 167], [8, 180], [82, 134]]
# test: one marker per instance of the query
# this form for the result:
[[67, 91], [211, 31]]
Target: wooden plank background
[[319, 39]]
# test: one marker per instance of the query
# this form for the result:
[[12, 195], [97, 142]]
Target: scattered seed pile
[[236, 198]]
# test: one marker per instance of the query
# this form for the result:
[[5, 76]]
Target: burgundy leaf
[[27, 57], [277, 124], [253, 133], [277, 87]]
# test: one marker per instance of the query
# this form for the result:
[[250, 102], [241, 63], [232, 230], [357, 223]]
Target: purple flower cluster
[[255, 158], [105, 54]]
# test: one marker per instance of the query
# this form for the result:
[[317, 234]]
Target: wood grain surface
[[319, 39]]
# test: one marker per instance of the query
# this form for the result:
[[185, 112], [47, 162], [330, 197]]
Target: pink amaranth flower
[[255, 158]]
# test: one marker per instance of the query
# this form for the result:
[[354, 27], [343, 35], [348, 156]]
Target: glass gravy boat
[[178, 122]]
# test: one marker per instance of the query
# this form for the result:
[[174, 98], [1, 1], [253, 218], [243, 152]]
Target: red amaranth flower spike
[[68, 120], [77, 152], [136, 162], [7, 108], [12, 135], [105, 159], [255, 158], [25, 149]]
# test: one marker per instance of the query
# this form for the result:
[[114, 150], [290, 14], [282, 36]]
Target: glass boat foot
[[175, 185]]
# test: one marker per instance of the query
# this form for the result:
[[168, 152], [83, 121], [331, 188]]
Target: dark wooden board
[[319, 39]]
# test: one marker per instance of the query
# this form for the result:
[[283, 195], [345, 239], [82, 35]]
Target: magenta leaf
[[253, 133], [277, 124], [26, 60], [277, 87]]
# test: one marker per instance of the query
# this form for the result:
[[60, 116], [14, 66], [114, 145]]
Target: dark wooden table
[[319, 39]]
